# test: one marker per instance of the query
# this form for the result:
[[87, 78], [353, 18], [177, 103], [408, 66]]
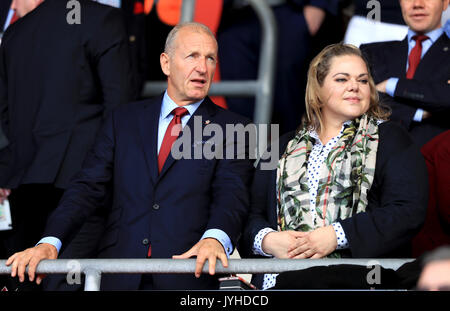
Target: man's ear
[[164, 60]]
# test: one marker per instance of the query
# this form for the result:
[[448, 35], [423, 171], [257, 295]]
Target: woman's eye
[[340, 80], [364, 81]]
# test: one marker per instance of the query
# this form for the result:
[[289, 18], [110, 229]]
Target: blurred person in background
[[412, 75], [58, 80], [239, 37]]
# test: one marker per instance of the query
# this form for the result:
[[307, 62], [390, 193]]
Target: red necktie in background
[[414, 56], [172, 133]]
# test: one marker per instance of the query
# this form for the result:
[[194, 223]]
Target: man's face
[[423, 16], [190, 68]]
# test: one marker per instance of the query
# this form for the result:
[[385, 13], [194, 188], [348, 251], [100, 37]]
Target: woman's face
[[345, 93]]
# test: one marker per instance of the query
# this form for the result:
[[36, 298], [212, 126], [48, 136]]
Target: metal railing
[[94, 268], [262, 87]]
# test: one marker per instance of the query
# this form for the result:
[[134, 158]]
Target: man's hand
[[426, 115], [381, 87], [207, 249], [435, 276], [279, 243], [314, 17], [315, 244], [31, 258], [4, 193]]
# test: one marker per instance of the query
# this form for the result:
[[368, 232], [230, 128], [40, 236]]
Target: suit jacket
[[436, 230], [136, 26], [170, 211], [396, 208], [428, 90], [57, 81], [4, 9]]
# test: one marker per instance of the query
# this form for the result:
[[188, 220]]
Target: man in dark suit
[[58, 79], [162, 207], [413, 74]]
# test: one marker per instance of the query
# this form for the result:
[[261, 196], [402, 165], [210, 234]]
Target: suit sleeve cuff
[[418, 115], [51, 240], [391, 85], [342, 242], [257, 243], [222, 237]]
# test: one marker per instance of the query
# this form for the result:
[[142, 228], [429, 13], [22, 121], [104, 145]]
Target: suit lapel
[[206, 110], [400, 56], [435, 57], [148, 122]]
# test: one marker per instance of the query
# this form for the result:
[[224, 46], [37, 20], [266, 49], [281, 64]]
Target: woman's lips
[[353, 99]]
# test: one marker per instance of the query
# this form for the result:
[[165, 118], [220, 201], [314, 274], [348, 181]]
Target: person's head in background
[[435, 274], [23, 7], [340, 88], [423, 16]]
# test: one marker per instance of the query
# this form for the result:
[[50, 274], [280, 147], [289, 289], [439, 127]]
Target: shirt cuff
[[257, 243], [342, 242], [220, 236], [391, 85], [51, 240], [418, 115]]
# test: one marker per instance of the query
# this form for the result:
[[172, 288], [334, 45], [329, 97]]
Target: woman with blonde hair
[[349, 183]]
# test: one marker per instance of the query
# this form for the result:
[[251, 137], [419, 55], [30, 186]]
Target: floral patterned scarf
[[344, 179]]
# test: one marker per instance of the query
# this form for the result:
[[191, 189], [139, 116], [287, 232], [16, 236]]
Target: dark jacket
[[397, 201], [429, 89], [57, 81], [170, 210]]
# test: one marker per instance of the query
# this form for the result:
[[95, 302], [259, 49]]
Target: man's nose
[[201, 65], [418, 3]]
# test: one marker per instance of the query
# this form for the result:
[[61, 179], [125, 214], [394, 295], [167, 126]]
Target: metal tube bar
[[187, 11], [93, 279], [224, 88], [266, 71], [188, 265]]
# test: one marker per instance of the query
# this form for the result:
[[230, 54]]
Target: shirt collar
[[313, 133], [168, 105], [433, 35]]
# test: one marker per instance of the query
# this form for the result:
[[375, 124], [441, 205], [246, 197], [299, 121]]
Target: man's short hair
[[197, 27]]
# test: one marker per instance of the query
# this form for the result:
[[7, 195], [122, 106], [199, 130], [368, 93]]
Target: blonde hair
[[319, 69]]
